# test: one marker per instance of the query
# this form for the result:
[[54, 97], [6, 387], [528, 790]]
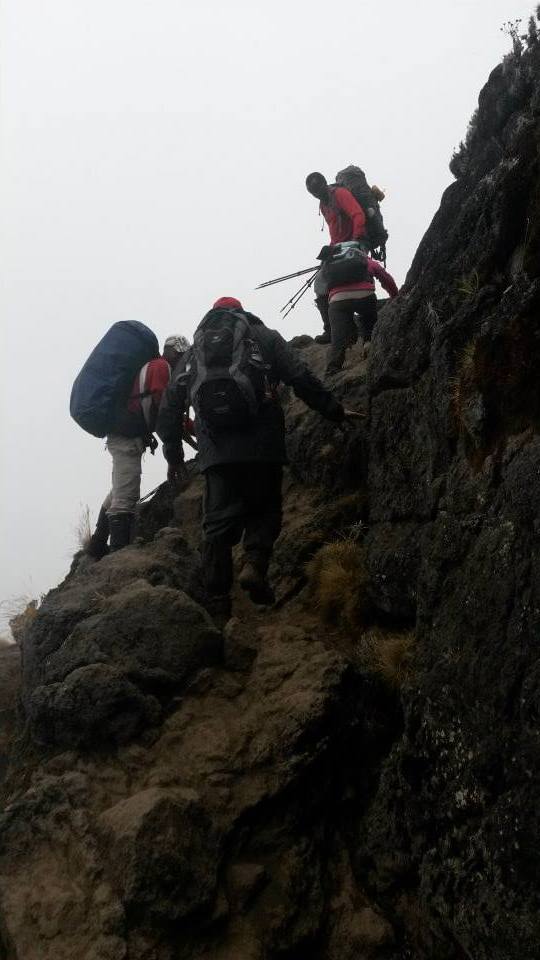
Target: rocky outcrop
[[453, 467], [174, 793], [219, 833], [113, 643], [451, 535]]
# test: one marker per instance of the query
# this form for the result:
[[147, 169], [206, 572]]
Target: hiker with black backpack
[[230, 377], [346, 221], [117, 395], [351, 209]]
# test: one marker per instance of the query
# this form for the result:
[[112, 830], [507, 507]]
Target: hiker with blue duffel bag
[[117, 395]]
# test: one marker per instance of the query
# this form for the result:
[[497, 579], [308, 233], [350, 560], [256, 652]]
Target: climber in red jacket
[[346, 221], [345, 218]]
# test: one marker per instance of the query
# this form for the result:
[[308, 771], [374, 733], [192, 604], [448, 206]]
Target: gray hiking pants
[[126, 453]]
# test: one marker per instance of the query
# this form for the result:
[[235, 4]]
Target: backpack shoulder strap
[[332, 191], [242, 328]]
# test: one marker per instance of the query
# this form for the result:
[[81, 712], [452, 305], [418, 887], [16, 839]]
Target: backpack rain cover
[[106, 378]]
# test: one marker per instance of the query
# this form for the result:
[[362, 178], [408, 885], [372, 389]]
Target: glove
[[325, 253]]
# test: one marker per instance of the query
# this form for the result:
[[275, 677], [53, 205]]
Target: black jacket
[[263, 441]]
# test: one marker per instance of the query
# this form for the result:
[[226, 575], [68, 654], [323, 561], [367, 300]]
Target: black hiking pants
[[241, 500], [322, 306], [343, 327]]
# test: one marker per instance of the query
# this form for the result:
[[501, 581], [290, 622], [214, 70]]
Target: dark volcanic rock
[[450, 473], [321, 452], [10, 672], [223, 836], [169, 880], [107, 649], [453, 470], [92, 705]]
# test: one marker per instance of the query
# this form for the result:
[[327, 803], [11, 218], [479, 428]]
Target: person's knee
[[124, 500], [126, 492]]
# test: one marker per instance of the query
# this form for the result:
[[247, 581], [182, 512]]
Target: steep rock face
[[178, 794], [453, 469]]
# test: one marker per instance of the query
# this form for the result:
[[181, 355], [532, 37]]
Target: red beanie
[[228, 303]]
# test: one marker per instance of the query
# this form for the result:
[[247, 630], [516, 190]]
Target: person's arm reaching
[[170, 422], [288, 367], [385, 279], [352, 209]]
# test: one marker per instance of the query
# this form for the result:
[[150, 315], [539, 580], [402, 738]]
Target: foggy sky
[[153, 158]]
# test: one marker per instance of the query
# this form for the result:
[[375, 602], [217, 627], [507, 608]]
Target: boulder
[[161, 853], [111, 674]]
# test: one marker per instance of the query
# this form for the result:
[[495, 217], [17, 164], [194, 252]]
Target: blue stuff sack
[[106, 378]]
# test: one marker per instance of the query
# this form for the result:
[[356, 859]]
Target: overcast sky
[[153, 158]]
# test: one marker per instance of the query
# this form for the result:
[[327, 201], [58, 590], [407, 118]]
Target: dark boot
[[254, 581], [322, 306], [220, 609], [97, 545], [120, 527]]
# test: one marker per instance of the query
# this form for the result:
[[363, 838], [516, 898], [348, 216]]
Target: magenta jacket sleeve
[[385, 279], [352, 209]]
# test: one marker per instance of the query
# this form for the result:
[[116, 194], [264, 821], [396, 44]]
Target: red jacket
[[345, 218], [376, 272], [151, 380]]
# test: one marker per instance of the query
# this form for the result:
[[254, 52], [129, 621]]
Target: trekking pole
[[151, 494], [298, 296], [289, 276], [187, 438]]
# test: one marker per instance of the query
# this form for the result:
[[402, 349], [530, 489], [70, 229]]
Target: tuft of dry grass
[[337, 580], [469, 285], [464, 384], [387, 655], [83, 529]]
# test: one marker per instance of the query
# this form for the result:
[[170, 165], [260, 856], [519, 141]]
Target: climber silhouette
[[230, 376], [345, 288]]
